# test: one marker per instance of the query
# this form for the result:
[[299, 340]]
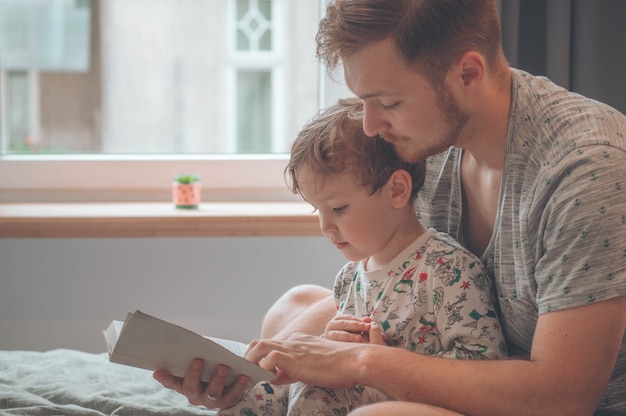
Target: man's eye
[[390, 106], [340, 209]]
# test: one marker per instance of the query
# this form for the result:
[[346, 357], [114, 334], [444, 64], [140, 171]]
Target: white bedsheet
[[69, 382]]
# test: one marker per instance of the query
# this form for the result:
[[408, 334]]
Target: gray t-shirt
[[559, 240]]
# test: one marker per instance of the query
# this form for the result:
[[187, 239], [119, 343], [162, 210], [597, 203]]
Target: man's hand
[[313, 359], [212, 395]]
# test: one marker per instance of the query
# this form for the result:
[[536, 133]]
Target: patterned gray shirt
[[559, 240]]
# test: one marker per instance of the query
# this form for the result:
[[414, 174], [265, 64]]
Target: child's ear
[[400, 184]]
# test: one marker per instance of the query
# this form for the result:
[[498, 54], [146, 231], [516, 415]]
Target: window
[[104, 99]]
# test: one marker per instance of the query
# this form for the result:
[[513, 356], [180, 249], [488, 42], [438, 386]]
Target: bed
[[71, 382]]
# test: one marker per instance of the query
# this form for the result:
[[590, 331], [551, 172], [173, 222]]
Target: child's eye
[[340, 209]]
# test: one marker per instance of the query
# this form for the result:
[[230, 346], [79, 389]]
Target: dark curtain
[[579, 44]]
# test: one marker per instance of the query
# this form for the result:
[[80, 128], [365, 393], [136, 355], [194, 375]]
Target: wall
[[60, 293]]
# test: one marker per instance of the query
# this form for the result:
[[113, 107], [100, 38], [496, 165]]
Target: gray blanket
[[69, 382]]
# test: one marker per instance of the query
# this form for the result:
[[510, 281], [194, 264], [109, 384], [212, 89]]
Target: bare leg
[[305, 308], [402, 409]]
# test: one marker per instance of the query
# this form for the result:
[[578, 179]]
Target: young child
[[428, 294]]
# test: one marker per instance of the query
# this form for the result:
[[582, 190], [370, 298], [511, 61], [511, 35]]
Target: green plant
[[186, 179]]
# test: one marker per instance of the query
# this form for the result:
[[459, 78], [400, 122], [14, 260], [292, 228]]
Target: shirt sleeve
[[581, 221]]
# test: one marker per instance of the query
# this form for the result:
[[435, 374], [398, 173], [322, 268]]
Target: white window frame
[[114, 178], [99, 178]]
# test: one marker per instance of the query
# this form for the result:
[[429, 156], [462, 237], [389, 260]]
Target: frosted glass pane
[[45, 35]]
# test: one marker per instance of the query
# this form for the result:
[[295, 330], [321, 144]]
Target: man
[[528, 176]]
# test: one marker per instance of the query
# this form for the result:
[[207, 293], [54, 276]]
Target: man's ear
[[400, 185], [471, 67]]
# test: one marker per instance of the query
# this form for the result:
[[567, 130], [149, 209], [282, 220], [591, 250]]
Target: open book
[[147, 342]]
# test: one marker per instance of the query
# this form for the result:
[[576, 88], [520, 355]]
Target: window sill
[[101, 220]]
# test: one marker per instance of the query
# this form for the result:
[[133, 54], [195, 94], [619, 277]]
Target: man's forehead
[[376, 70]]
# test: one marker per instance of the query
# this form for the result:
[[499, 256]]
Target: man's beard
[[454, 119]]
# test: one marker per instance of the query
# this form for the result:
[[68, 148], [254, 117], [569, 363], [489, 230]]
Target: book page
[[236, 347], [147, 342]]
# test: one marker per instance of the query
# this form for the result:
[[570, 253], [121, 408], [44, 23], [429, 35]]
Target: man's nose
[[374, 121]]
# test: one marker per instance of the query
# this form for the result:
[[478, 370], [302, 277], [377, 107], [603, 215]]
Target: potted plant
[[186, 191]]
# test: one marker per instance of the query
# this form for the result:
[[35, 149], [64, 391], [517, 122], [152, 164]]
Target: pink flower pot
[[186, 195]]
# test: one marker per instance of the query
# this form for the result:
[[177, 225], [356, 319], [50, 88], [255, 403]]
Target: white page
[[151, 343]]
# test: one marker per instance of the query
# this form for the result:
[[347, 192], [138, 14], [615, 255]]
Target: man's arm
[[572, 358]]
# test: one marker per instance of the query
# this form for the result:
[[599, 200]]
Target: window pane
[[254, 25], [160, 76], [45, 34], [254, 111], [17, 100]]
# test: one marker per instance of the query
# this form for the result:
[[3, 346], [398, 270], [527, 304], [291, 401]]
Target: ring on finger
[[208, 396]]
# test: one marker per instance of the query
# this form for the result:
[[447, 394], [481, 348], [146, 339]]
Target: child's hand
[[349, 328], [376, 334]]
